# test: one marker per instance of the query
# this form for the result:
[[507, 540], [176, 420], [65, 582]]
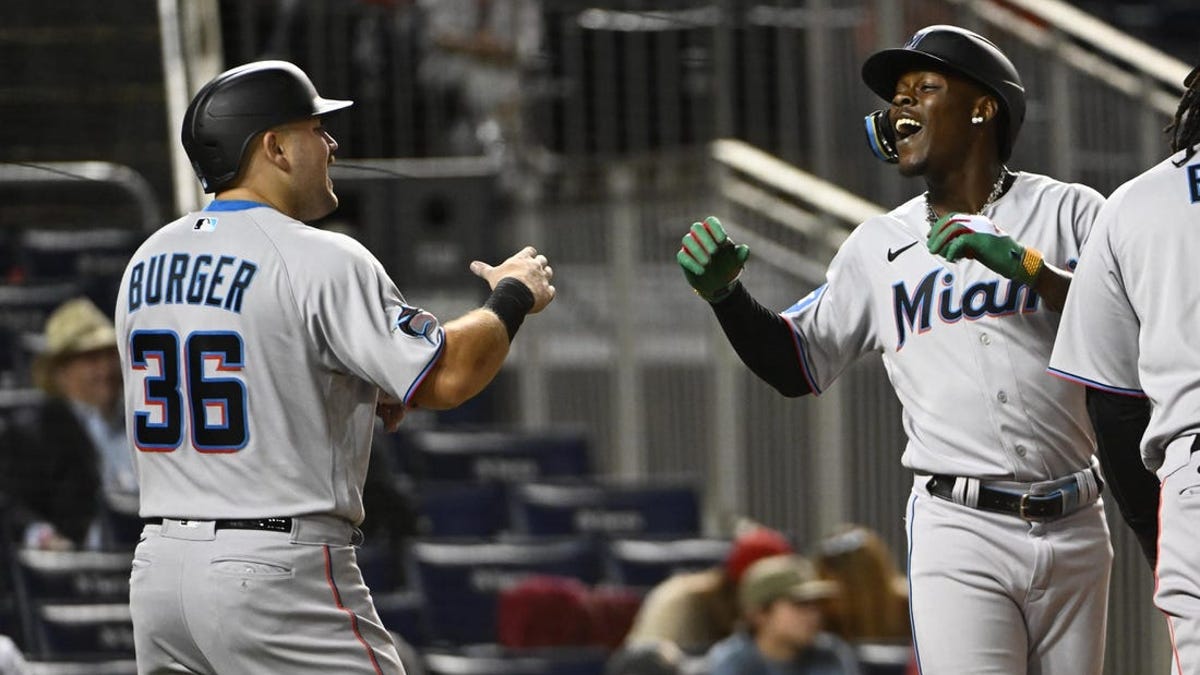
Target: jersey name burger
[[914, 312], [219, 281]]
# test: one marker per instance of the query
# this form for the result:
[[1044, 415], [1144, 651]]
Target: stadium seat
[[75, 576], [517, 662], [461, 581], [644, 563], [75, 604], [612, 509], [14, 403], [85, 631], [436, 455], [23, 312], [97, 256], [462, 509], [403, 613]]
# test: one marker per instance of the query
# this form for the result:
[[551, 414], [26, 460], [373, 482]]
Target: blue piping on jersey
[[425, 371], [1062, 374], [234, 205]]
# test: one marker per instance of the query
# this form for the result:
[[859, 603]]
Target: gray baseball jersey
[[1129, 328], [255, 347], [966, 351]]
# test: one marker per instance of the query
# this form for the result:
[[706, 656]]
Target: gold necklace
[[997, 190]]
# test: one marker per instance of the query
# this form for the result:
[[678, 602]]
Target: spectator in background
[[872, 602], [780, 598], [695, 610], [67, 471], [474, 52]]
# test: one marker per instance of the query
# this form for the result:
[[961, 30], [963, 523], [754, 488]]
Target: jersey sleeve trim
[[1070, 377], [802, 356], [437, 354]]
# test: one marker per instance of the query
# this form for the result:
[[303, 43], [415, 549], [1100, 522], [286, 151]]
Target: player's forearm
[[476, 345], [1052, 285], [763, 341], [1119, 422]]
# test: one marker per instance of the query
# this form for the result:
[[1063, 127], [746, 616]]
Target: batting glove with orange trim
[[959, 235]]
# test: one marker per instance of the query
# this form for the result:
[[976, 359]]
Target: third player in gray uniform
[[1129, 329], [1009, 554], [256, 351]]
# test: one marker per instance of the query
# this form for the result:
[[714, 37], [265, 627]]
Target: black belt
[[1009, 501], [267, 524]]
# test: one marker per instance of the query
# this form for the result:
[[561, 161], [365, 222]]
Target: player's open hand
[[710, 260], [527, 266]]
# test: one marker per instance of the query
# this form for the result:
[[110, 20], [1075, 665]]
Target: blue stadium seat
[[504, 456], [574, 661], [16, 403], [461, 581], [23, 312], [403, 613], [643, 563], [462, 509], [85, 631], [75, 576], [97, 256], [75, 604], [612, 509]]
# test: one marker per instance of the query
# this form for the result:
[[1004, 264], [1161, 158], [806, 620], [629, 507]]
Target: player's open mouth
[[907, 127]]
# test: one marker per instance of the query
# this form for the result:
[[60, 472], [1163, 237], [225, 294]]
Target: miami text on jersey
[[202, 279], [915, 312]]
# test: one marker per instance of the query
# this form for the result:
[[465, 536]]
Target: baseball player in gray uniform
[[256, 352], [1128, 333], [1009, 553]]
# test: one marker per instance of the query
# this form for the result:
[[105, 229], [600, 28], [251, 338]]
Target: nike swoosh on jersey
[[892, 255]]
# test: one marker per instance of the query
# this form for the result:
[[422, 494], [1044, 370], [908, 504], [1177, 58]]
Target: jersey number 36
[[201, 382]]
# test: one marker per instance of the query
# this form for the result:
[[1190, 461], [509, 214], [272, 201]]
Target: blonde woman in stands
[[872, 605]]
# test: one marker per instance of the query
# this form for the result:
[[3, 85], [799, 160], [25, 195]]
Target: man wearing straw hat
[[69, 464]]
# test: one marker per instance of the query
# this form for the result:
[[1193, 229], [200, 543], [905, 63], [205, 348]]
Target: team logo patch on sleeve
[[416, 322]]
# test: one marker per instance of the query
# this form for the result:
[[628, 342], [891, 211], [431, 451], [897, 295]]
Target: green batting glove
[[952, 238], [710, 260]]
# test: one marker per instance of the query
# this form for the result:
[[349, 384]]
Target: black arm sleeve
[[1119, 422], [763, 340]]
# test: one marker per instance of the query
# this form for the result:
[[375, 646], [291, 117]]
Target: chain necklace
[[997, 189]]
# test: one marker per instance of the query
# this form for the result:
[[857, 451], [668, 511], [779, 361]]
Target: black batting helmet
[[959, 51], [239, 103]]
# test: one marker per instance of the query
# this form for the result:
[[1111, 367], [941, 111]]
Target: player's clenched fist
[[527, 266], [710, 260]]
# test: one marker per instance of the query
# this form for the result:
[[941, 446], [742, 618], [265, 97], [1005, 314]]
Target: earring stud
[[978, 119]]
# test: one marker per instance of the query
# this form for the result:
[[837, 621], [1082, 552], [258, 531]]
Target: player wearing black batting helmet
[[959, 51], [958, 289], [256, 352], [228, 111]]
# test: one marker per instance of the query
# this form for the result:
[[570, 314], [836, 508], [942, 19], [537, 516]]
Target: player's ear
[[984, 110], [272, 145]]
